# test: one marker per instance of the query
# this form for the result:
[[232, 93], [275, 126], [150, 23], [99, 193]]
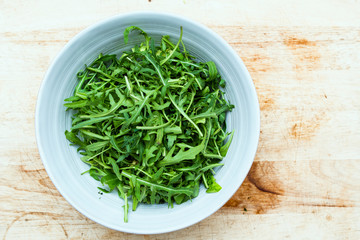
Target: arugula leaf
[[71, 136], [173, 51], [224, 148], [90, 122], [212, 70], [111, 180], [129, 29], [213, 185], [96, 146], [182, 154], [76, 104]]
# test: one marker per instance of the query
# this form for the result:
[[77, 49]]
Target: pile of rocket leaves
[[151, 123]]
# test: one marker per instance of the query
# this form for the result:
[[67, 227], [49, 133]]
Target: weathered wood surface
[[304, 58]]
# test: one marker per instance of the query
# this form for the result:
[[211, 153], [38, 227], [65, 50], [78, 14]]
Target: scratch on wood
[[329, 205], [25, 214], [65, 232], [39, 175], [12, 223]]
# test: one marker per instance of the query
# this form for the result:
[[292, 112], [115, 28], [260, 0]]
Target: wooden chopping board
[[304, 58]]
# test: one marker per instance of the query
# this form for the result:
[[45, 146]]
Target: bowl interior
[[62, 161]]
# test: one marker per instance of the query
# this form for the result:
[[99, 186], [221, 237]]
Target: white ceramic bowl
[[62, 162]]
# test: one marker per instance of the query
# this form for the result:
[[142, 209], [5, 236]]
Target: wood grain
[[304, 59]]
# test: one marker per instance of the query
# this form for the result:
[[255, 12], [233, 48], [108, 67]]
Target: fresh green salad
[[151, 124]]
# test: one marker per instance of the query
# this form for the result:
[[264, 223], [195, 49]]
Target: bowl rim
[[53, 63]]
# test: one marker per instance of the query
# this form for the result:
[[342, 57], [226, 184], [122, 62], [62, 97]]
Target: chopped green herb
[[151, 123]]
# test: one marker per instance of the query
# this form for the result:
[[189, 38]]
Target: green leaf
[[94, 135], [136, 114], [126, 208], [77, 104], [115, 168], [224, 149], [96, 146], [158, 174], [158, 107], [72, 98], [173, 51], [176, 178], [114, 145], [213, 185], [179, 198], [108, 112], [96, 173], [173, 130], [90, 122], [132, 28], [158, 187], [184, 114], [71, 136], [182, 154], [134, 202], [212, 70], [149, 153], [111, 180], [103, 190], [171, 139]]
